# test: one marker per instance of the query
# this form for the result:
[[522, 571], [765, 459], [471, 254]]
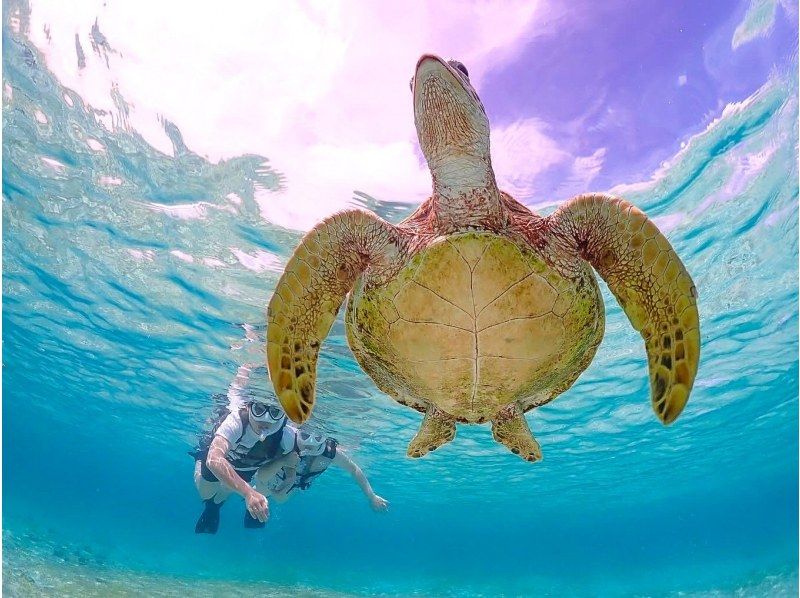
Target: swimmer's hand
[[257, 505], [378, 504]]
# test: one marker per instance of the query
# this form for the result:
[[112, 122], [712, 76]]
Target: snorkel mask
[[310, 444], [270, 418]]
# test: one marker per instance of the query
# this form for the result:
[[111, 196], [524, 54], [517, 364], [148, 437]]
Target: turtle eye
[[457, 65]]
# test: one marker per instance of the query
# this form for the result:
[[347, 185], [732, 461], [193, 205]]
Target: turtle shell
[[473, 322]]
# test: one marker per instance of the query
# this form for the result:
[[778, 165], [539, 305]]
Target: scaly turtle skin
[[474, 309]]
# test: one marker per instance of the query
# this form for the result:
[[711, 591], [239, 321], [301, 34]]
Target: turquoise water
[[127, 274]]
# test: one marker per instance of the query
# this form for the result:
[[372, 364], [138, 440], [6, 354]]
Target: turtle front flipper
[[437, 429], [510, 428], [650, 282], [308, 296]]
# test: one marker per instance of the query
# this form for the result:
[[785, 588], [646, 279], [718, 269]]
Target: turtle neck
[[464, 193]]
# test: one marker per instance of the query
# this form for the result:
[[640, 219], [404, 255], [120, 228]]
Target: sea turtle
[[475, 309]]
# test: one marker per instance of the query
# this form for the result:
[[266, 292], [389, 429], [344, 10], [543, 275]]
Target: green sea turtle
[[474, 309]]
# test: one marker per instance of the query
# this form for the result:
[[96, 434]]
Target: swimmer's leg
[[437, 429], [208, 488], [510, 428], [214, 494], [251, 522]]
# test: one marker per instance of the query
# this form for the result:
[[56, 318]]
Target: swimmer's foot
[[252, 522], [437, 429], [510, 428], [208, 523]]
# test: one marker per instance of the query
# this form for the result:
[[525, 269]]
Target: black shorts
[[209, 476]]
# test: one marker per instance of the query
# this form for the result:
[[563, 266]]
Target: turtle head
[[452, 125]]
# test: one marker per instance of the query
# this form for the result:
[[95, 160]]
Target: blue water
[[113, 346]]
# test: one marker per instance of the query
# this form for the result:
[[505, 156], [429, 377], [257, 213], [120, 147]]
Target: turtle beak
[[427, 62], [449, 117], [428, 66], [423, 58]]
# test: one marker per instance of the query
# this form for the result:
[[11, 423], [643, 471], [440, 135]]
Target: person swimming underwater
[[314, 454], [250, 444], [249, 433], [247, 440]]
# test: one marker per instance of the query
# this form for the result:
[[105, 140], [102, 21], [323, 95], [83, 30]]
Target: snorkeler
[[251, 443], [315, 453], [252, 435]]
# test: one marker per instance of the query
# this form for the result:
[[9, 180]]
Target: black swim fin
[[252, 522], [208, 523]]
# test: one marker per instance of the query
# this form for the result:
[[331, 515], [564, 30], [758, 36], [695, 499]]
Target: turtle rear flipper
[[437, 429], [308, 296], [651, 284], [510, 429]]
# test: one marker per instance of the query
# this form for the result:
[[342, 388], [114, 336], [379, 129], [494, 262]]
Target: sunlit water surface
[[127, 274]]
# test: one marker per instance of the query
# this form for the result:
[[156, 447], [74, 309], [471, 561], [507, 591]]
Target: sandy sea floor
[[37, 567], [50, 569]]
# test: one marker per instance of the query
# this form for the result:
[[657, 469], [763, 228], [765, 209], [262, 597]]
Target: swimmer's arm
[[342, 460], [220, 467], [288, 481], [266, 473], [287, 484], [240, 383], [243, 375], [273, 467]]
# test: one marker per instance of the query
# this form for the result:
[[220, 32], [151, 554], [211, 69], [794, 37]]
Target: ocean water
[[127, 276]]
